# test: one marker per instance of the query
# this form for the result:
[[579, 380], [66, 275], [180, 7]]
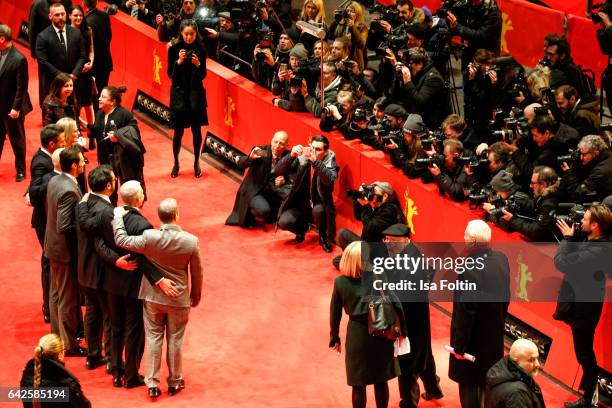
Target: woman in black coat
[[369, 359], [187, 68], [47, 369]]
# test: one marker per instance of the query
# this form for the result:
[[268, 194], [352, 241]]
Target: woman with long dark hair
[[84, 90], [60, 101], [47, 369], [187, 68]]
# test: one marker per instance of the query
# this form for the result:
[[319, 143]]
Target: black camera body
[[436, 158], [328, 111], [459, 8], [434, 138], [340, 15], [366, 193], [571, 213], [605, 7], [571, 158], [188, 55]]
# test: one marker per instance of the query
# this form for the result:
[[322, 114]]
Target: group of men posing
[[103, 252]]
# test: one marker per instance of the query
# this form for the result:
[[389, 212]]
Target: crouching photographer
[[538, 226], [377, 207], [359, 125], [287, 82], [339, 113], [509, 199], [408, 149], [448, 172]]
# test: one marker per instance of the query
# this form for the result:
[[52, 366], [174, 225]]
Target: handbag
[[383, 320]]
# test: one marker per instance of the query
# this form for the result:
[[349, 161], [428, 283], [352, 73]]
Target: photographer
[[404, 153], [421, 88], [394, 119], [338, 114], [510, 198], [451, 177], [590, 179], [140, 10], [547, 147], [350, 23], [187, 69], [584, 117], [265, 61], [358, 127], [482, 93], [455, 127], [287, 83], [564, 133], [331, 83], [224, 38], [168, 25], [563, 69], [316, 173], [313, 12], [584, 266], [538, 228], [480, 25], [407, 13], [377, 207]]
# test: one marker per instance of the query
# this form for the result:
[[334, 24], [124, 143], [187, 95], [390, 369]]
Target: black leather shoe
[[177, 388], [579, 404], [300, 238], [326, 247], [431, 396], [94, 362], [175, 171], [154, 393], [136, 382], [117, 381], [76, 352], [197, 171], [19, 177]]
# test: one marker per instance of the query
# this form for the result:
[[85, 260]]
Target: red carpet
[[259, 337]]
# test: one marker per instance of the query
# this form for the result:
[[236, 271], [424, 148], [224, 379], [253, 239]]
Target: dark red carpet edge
[[259, 337]]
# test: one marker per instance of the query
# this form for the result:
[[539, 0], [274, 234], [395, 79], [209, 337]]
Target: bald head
[[132, 193], [525, 354], [279, 143], [477, 231]]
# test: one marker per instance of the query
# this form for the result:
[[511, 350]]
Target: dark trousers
[[325, 220], [583, 347], [381, 395], [263, 205], [64, 302], [97, 322], [471, 395], [16, 133], [127, 329], [293, 220], [409, 390], [45, 268], [430, 379]]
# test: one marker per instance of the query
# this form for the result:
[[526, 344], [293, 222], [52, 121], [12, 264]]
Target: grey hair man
[[176, 254]]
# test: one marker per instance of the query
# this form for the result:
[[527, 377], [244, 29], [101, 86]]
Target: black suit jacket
[[102, 36], [38, 20], [122, 118], [118, 281], [89, 215], [14, 84], [41, 164], [55, 58]]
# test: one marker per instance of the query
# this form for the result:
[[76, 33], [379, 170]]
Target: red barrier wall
[[241, 113], [577, 7]]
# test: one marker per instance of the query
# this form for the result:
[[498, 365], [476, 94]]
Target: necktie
[[61, 38]]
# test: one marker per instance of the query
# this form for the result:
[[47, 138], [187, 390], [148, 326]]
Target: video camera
[[605, 7]]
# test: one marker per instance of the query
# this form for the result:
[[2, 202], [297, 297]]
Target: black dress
[[54, 110], [369, 359], [187, 94], [54, 374], [83, 86]]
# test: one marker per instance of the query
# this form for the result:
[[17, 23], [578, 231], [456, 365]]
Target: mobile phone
[[283, 67], [262, 153]]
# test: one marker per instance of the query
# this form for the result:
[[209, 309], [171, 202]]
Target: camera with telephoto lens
[[382, 128], [571, 213], [517, 203], [366, 193], [390, 14], [328, 109], [361, 115], [571, 158], [479, 195], [605, 127], [605, 7], [340, 15], [436, 158], [434, 138], [459, 8]]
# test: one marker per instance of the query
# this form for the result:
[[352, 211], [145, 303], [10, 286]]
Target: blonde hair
[[320, 18], [537, 79], [325, 49], [70, 130], [350, 263], [359, 18], [51, 347]]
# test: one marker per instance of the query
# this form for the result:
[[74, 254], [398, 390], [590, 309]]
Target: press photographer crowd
[[525, 147]]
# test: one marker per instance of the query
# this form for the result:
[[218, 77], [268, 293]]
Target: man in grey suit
[[63, 195], [176, 254]]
